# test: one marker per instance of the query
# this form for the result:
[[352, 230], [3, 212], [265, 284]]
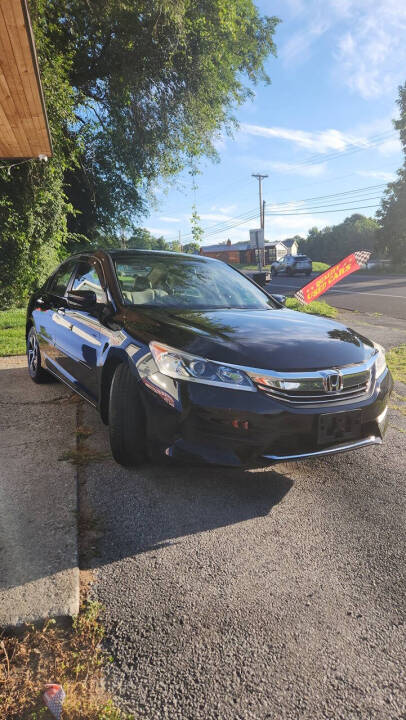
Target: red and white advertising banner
[[333, 275]]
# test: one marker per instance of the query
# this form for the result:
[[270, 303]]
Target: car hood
[[279, 339]]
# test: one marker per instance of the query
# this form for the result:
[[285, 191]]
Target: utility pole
[[180, 241], [261, 213], [260, 178]]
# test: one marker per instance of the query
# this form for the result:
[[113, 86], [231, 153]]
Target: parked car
[[186, 358], [292, 265]]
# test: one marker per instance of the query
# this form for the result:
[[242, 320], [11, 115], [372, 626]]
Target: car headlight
[[183, 366], [380, 360]]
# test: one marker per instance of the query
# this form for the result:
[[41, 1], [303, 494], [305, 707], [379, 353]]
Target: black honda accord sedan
[[186, 358]]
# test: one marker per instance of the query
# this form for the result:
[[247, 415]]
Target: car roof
[[132, 252], [122, 254]]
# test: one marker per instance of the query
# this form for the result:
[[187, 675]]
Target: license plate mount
[[337, 427]]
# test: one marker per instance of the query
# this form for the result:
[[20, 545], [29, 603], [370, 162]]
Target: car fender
[[116, 356]]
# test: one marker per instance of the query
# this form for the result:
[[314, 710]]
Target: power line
[[250, 215], [333, 195], [325, 157], [322, 212], [344, 201]]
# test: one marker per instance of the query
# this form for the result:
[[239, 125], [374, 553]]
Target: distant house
[[242, 254], [292, 245]]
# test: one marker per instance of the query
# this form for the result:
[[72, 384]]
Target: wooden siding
[[24, 129]]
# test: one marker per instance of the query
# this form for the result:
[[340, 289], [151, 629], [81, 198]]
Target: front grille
[[311, 388]]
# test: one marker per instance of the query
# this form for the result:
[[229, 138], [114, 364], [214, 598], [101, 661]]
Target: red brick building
[[241, 253]]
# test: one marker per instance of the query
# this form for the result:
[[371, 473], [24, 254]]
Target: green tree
[[135, 91], [392, 214], [192, 247], [156, 82], [33, 202], [143, 239], [331, 244], [197, 230]]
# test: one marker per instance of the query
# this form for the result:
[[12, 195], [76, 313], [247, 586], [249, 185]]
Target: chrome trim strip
[[282, 395], [296, 376], [371, 440]]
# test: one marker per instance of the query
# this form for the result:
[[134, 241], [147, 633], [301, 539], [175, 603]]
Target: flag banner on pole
[[333, 275]]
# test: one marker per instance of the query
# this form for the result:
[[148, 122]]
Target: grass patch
[[318, 307], [12, 332], [246, 268], [71, 657], [396, 359], [82, 432], [319, 266], [385, 270]]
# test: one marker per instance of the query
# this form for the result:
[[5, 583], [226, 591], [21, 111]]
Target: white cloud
[[372, 52], [390, 147], [377, 175], [292, 169], [320, 141], [159, 231], [367, 40], [214, 216], [226, 210], [170, 219], [299, 43]]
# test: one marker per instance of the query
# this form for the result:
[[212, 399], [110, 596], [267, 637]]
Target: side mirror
[[279, 298], [82, 299]]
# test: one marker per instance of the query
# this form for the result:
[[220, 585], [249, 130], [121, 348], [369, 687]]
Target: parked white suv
[[292, 265]]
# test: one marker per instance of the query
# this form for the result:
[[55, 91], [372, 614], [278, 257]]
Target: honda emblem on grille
[[333, 382]]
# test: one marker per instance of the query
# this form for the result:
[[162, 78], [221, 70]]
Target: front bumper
[[203, 424]]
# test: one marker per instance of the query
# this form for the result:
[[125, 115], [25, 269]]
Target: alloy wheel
[[33, 353]]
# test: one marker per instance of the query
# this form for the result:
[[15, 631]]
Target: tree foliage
[[135, 91], [155, 82], [331, 244], [392, 214], [33, 202], [192, 247]]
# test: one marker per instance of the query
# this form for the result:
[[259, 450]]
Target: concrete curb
[[39, 569]]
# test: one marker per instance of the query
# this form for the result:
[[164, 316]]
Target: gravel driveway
[[269, 593]]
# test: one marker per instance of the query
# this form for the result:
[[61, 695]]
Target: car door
[[86, 338], [49, 316]]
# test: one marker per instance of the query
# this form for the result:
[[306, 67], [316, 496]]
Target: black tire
[[35, 369], [274, 272], [126, 419], [289, 272]]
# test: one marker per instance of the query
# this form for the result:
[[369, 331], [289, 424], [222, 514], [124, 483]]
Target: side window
[[60, 280], [86, 278]]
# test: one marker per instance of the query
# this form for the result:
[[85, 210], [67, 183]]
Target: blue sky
[[321, 128]]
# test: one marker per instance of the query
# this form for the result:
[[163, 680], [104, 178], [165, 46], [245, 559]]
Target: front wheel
[[37, 372], [126, 419], [273, 272]]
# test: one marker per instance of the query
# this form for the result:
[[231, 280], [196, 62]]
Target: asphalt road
[[365, 293], [268, 593]]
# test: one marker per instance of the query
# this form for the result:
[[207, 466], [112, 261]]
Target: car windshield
[[166, 281]]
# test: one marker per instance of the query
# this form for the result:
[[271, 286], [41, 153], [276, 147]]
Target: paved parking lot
[[361, 292], [269, 593]]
